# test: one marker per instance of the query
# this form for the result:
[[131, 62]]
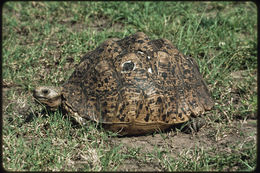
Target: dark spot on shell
[[104, 104], [186, 71], [180, 115], [155, 69], [122, 118], [168, 82], [122, 108], [142, 71], [162, 65], [94, 79], [159, 100], [100, 50], [162, 110], [121, 111], [140, 41], [92, 99], [104, 112], [116, 49], [169, 113], [140, 106], [106, 91], [163, 117], [151, 101], [138, 79], [147, 117], [184, 112], [137, 115], [164, 75], [173, 70]]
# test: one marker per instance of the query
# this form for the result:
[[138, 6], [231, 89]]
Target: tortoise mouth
[[41, 100], [52, 103], [38, 98]]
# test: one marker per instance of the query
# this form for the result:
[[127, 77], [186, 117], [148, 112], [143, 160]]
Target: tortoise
[[132, 86]]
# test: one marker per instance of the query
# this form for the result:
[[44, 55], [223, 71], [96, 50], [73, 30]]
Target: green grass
[[201, 160], [43, 41], [208, 160]]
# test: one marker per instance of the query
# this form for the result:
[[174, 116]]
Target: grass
[[208, 160], [43, 41]]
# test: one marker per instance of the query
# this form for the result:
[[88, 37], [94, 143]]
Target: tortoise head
[[49, 96]]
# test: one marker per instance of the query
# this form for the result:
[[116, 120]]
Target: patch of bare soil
[[177, 142]]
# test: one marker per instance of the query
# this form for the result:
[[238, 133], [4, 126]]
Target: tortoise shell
[[135, 86]]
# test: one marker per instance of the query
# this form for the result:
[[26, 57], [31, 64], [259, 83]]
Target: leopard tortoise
[[132, 86]]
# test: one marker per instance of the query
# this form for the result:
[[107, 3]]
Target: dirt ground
[[177, 142]]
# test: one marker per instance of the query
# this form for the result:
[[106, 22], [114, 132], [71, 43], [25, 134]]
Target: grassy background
[[43, 41]]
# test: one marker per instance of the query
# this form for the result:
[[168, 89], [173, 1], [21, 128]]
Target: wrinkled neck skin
[[54, 104]]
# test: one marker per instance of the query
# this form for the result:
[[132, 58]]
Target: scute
[[136, 85]]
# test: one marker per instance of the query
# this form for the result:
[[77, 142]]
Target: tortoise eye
[[128, 66], [45, 91]]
